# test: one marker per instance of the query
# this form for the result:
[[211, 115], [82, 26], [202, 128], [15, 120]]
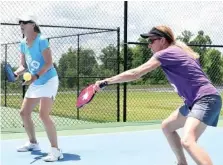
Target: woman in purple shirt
[[202, 102]]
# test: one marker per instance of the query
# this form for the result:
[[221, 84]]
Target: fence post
[[78, 70], [118, 71], [5, 76], [125, 60]]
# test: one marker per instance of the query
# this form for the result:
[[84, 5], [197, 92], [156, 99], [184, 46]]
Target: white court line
[[91, 134], [106, 133]]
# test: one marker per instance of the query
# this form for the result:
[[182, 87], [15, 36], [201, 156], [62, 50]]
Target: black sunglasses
[[25, 22], [151, 40]]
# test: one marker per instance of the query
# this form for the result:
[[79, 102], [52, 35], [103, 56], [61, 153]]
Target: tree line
[[93, 67]]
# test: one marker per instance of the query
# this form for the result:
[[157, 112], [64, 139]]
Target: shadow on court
[[67, 156]]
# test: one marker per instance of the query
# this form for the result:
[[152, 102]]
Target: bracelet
[[37, 76]]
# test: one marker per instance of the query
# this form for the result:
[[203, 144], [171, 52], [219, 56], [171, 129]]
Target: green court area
[[100, 128], [142, 106]]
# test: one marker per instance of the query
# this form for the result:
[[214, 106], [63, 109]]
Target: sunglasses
[[25, 22], [151, 40]]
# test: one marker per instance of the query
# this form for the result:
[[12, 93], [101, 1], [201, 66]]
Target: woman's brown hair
[[37, 29], [171, 40]]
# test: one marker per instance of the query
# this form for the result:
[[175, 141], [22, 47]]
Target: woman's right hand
[[98, 84], [16, 76]]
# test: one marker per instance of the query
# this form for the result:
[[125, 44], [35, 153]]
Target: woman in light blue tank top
[[202, 102], [43, 86]]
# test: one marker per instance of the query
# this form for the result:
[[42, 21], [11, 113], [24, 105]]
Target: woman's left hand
[[33, 78]]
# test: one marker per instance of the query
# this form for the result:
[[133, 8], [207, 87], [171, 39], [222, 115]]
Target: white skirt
[[47, 90]]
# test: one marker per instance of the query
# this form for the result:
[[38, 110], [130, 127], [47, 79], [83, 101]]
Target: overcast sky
[[180, 16]]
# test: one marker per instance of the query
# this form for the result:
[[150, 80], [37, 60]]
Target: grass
[[141, 105]]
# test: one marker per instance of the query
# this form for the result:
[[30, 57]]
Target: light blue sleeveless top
[[34, 58]]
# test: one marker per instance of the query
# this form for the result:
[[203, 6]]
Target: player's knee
[[165, 126], [187, 142], [24, 114]]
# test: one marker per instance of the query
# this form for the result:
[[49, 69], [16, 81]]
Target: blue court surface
[[147, 147]]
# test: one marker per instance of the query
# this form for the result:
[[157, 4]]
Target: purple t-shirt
[[185, 74]]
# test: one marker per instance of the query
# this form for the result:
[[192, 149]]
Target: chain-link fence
[[79, 61], [195, 23], [83, 53], [152, 98]]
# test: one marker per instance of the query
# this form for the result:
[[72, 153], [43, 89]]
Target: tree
[[215, 66], [186, 36], [130, 57], [2, 76], [109, 59], [141, 54], [87, 61], [67, 68], [201, 39]]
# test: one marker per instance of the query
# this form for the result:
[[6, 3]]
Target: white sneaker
[[54, 155], [29, 147]]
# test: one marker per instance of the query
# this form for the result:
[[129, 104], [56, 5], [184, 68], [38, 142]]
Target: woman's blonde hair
[[179, 44]]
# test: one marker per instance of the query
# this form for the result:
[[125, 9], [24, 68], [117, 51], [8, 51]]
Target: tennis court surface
[[119, 145]]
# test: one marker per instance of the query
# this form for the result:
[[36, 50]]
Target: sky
[[142, 16]]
